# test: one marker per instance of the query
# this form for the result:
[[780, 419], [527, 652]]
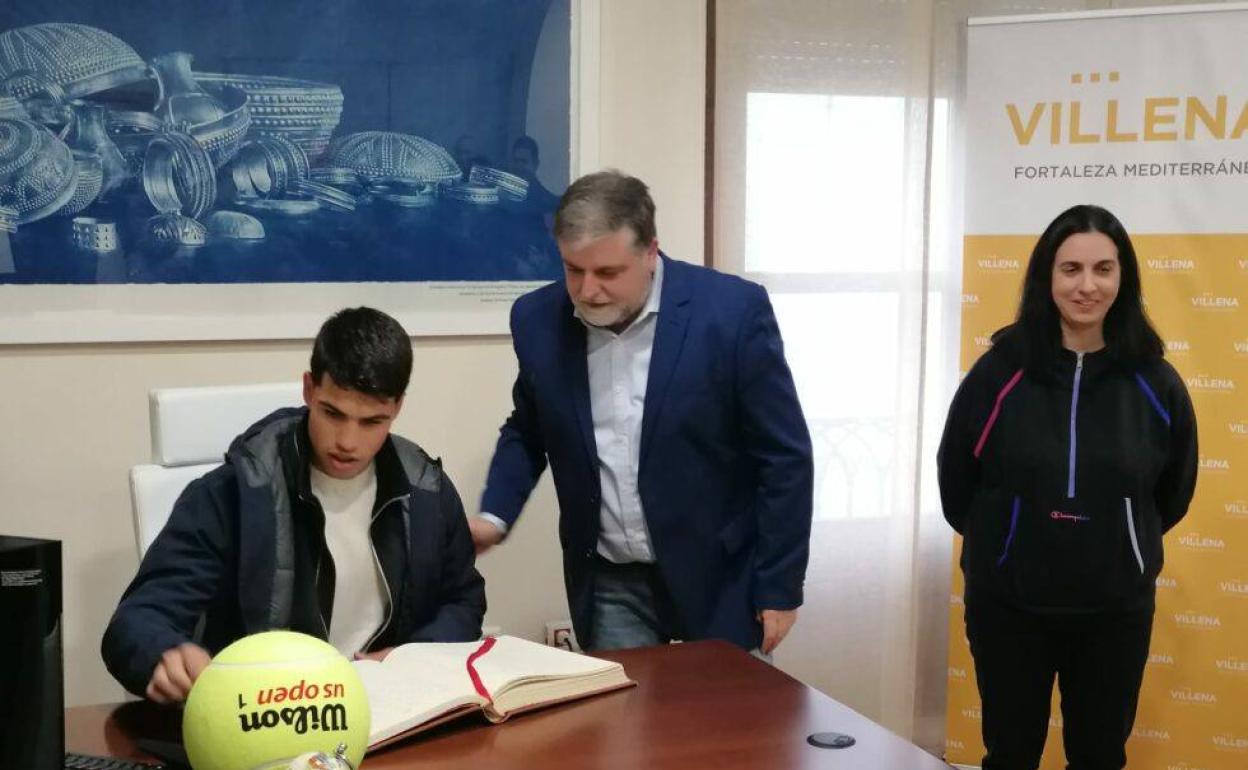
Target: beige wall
[[75, 417]]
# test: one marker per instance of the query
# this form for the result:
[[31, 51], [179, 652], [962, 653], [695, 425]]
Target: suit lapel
[[669, 339], [576, 375]]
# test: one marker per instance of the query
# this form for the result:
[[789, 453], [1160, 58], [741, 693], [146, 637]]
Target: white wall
[[74, 418]]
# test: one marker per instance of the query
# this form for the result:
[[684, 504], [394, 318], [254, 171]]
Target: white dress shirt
[[619, 368]]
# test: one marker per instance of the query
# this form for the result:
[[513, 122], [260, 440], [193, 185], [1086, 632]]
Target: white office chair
[[191, 429]]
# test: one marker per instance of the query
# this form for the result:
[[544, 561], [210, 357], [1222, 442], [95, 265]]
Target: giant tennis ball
[[274, 696]]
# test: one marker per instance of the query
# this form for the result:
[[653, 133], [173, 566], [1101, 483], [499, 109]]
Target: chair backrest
[[191, 429]]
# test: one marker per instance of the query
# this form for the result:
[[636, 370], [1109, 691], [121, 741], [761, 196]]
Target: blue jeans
[[632, 607]]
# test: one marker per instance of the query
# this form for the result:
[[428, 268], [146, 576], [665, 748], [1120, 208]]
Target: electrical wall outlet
[[559, 634]]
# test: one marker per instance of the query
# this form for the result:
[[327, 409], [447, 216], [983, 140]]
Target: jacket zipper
[[1009, 538], [1135, 542], [386, 583], [1074, 407]]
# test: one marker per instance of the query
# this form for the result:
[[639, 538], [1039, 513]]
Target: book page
[[516, 663], [415, 684]]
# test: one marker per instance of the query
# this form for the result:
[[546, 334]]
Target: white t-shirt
[[359, 589]]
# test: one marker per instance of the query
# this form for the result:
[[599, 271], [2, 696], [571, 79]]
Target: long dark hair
[[1036, 334]]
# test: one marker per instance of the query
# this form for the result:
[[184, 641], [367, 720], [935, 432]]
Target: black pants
[[1098, 660]]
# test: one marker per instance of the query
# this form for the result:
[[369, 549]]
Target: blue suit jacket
[[725, 471]]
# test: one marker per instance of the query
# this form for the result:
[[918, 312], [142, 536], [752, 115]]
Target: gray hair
[[602, 203]]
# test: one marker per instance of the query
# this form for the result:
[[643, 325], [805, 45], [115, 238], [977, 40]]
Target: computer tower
[[32, 694]]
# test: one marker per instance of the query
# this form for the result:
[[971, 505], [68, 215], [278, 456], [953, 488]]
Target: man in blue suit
[[659, 394]]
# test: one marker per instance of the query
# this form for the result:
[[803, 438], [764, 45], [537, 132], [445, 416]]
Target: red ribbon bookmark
[[472, 670]]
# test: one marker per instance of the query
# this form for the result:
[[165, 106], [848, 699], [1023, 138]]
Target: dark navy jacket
[[725, 471], [1063, 482], [244, 550]]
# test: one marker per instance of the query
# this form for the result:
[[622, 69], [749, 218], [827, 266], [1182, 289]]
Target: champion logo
[[970, 299], [957, 673], [1188, 695], [1199, 542], [1212, 302], [1236, 508], [1204, 382], [1166, 582], [1232, 742], [972, 713], [1178, 346], [1234, 587], [1150, 734], [1232, 665], [1160, 659], [1214, 464], [1063, 516], [1170, 264], [994, 262], [1195, 620]]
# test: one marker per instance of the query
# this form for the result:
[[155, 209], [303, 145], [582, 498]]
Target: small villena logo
[[1234, 587], [994, 262], [1211, 301], [1183, 766], [1178, 346], [1231, 665], [1055, 722], [1238, 428], [1195, 697], [970, 299], [1231, 742], [1204, 382], [957, 673], [983, 341], [1166, 582], [1240, 347], [1192, 619], [1150, 734], [1198, 542], [1214, 464], [956, 600], [972, 713], [1171, 265], [1236, 509], [1160, 659], [954, 743]]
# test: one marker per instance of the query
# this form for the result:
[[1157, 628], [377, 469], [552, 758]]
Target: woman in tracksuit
[[1070, 448]]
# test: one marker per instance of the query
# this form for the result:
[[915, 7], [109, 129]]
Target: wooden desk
[[697, 705]]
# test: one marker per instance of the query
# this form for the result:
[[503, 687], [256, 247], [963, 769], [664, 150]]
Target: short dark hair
[[601, 203], [365, 350], [527, 143], [1036, 334]]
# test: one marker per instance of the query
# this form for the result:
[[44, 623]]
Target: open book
[[418, 686]]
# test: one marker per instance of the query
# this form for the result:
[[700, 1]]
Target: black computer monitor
[[32, 708]]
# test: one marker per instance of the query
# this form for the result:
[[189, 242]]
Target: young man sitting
[[320, 521]]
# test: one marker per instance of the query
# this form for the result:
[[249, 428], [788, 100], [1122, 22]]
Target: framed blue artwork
[[225, 169]]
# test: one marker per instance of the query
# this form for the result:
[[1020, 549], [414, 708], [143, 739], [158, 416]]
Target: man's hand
[[484, 534], [177, 670], [776, 625], [377, 655]]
